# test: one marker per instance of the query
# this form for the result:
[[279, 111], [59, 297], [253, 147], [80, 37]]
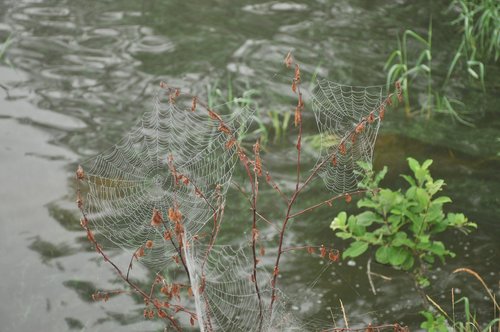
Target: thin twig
[[328, 201], [369, 274]]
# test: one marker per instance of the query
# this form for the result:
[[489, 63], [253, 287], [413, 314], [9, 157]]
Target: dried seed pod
[[289, 60], [381, 112], [255, 234], [193, 105], [360, 127], [298, 116], [399, 91], [84, 222], [371, 118], [157, 218], [334, 255], [348, 198], [80, 174], [258, 161], [79, 200], [297, 73], [230, 143], [322, 251], [223, 128], [342, 148]]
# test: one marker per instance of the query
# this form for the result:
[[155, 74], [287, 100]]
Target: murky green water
[[84, 72]]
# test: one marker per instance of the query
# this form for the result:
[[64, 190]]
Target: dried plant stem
[[346, 323], [148, 298], [217, 216], [328, 201], [131, 261], [255, 189], [125, 278], [478, 277], [295, 84], [369, 274], [178, 249]]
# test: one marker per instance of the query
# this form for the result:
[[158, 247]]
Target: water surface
[[82, 74]]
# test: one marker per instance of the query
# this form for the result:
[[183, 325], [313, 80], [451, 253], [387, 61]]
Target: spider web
[[129, 180], [338, 109], [125, 183], [229, 301]]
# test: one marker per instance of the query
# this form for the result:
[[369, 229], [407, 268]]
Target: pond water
[[83, 72]]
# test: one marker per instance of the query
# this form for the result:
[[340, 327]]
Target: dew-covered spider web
[[230, 301], [129, 180], [125, 183], [338, 109]]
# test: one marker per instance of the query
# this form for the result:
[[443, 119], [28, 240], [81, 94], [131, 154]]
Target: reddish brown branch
[[257, 171], [328, 201]]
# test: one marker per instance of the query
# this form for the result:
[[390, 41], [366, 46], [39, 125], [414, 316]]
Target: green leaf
[[354, 227], [371, 238], [398, 256], [422, 175], [422, 197], [434, 187], [367, 203], [366, 218], [382, 255], [401, 239], [380, 176], [423, 282], [442, 200], [356, 248], [473, 73], [339, 222], [427, 163], [394, 220], [408, 263], [414, 165], [438, 249], [435, 215], [410, 193], [388, 199], [409, 179], [343, 235], [429, 259]]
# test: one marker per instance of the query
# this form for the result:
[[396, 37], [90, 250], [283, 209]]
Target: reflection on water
[[84, 73]]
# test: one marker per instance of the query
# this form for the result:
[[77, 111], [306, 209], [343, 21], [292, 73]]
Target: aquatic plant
[[479, 22], [400, 67], [160, 195], [403, 67], [466, 321], [3, 50]]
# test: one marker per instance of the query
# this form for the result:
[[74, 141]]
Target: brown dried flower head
[[288, 60], [80, 174], [157, 218]]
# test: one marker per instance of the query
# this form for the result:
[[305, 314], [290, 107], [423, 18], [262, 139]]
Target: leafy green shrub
[[434, 323], [401, 226]]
